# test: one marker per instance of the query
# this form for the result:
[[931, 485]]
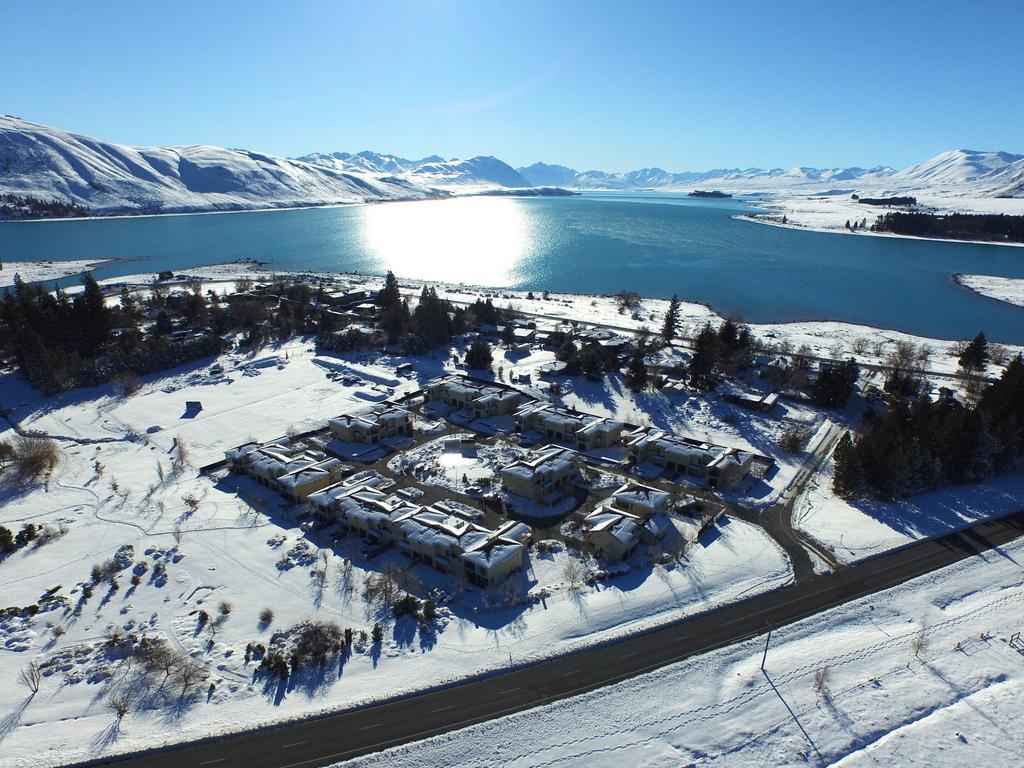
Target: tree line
[[923, 444], [25, 206], [957, 226]]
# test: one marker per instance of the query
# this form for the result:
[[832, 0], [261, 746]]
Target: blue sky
[[614, 86]]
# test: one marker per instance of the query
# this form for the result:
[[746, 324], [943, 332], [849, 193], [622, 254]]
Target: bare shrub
[[997, 354], [573, 572], [821, 682], [126, 383], [794, 438], [181, 455], [35, 457], [30, 677], [120, 703], [266, 617], [7, 455], [318, 641], [189, 675], [920, 642], [381, 587]]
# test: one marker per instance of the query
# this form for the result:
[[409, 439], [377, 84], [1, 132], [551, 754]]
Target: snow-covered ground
[[821, 338], [830, 213], [864, 528], [232, 540], [1008, 289], [956, 702], [36, 271]]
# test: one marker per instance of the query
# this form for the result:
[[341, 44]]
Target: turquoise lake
[[655, 244]]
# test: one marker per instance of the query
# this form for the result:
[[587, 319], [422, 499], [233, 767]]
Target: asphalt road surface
[[330, 739]]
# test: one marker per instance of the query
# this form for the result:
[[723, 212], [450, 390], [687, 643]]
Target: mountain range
[[54, 165], [963, 170]]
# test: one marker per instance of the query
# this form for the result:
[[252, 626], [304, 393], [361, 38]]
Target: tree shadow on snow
[[12, 719]]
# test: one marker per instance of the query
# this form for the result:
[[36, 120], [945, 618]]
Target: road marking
[[627, 655], [508, 690], [444, 709], [211, 762], [368, 727], [574, 672], [293, 744]]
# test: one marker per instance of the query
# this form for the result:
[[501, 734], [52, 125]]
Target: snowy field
[[829, 213], [36, 271], [1008, 289], [196, 542], [842, 688], [864, 528]]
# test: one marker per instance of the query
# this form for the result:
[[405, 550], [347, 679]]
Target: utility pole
[[767, 640]]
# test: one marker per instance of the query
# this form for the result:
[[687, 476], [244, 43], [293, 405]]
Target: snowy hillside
[[51, 164], [957, 167]]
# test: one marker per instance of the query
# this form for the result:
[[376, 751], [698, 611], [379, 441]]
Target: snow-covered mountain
[[656, 178], [480, 171], [957, 167], [55, 165], [368, 162], [51, 164]]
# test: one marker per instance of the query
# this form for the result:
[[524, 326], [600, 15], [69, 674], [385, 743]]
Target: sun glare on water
[[477, 240]]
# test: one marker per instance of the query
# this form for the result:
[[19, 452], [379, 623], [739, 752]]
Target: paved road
[[321, 742]]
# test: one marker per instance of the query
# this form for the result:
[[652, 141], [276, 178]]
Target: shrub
[[25, 536], [266, 617], [407, 605], [126, 383], [317, 641], [794, 439], [429, 610], [35, 457]]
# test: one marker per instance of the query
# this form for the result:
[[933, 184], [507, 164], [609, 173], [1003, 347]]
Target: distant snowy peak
[[657, 178], [481, 171], [51, 164]]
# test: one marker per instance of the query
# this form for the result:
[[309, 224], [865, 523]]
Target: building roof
[[549, 460]]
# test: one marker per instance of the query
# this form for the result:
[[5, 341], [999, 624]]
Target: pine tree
[[479, 357], [975, 354], [389, 295], [704, 360], [848, 480], [92, 317], [395, 321], [671, 325], [636, 372], [979, 448]]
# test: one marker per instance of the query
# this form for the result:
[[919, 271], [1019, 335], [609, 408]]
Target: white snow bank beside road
[[858, 530], [1007, 289], [876, 704]]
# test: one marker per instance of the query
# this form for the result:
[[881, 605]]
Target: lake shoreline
[[758, 218]]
